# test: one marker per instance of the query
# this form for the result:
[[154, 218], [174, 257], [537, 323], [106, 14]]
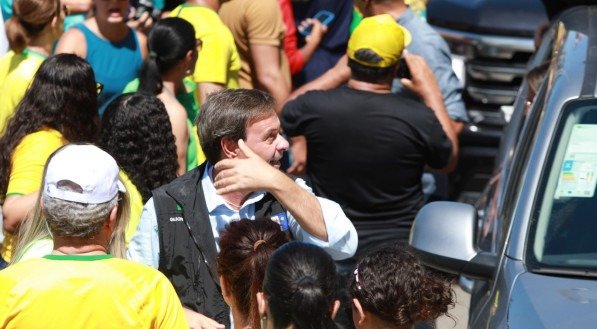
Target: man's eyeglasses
[[99, 87]]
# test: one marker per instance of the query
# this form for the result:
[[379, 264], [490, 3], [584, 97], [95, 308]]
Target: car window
[[498, 200], [564, 228]]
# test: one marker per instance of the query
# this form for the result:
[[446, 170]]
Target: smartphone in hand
[[142, 7], [324, 16], [403, 71]]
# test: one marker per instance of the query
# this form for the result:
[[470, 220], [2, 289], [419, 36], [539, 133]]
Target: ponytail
[[150, 80], [17, 36], [309, 303], [245, 249], [169, 41], [29, 20], [300, 284]]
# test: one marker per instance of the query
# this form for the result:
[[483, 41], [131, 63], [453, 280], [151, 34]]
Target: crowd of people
[[143, 175]]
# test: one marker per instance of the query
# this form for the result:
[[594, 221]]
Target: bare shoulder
[[72, 42], [175, 110]]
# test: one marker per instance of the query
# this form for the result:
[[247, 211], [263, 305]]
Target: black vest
[[187, 245]]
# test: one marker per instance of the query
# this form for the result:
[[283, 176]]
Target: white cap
[[94, 170]]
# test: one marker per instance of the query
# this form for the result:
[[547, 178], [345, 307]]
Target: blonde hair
[[35, 227]]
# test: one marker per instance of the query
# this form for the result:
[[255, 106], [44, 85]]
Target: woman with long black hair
[[59, 107]]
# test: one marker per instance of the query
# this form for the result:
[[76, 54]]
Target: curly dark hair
[[245, 248], [300, 284], [136, 131], [393, 285], [62, 96]]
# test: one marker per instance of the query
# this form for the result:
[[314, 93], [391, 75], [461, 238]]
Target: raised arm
[[206, 88], [424, 84], [332, 78], [266, 60], [255, 174]]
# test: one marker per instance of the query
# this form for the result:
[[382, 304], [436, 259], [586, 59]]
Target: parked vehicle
[[491, 42], [531, 242]]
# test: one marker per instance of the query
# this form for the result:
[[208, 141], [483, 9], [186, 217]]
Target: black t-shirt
[[367, 152]]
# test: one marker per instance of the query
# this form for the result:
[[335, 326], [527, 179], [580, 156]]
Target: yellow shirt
[[136, 206], [28, 162], [218, 60], [16, 73], [87, 291]]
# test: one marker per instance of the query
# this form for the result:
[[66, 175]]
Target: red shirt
[[295, 58]]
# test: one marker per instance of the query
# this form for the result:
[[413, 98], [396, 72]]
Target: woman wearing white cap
[[59, 107]]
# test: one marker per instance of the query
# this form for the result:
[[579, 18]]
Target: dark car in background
[[530, 244], [491, 42]]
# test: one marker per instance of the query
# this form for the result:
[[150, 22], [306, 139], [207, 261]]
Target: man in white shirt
[[179, 229]]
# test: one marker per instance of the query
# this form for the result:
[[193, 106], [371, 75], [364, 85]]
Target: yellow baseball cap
[[382, 35]]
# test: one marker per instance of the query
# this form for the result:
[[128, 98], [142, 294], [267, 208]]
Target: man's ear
[[358, 314], [229, 147], [111, 222], [335, 308]]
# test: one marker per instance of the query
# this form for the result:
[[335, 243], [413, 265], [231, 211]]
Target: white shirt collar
[[213, 200]]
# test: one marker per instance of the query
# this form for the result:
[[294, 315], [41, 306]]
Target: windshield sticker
[[578, 175]]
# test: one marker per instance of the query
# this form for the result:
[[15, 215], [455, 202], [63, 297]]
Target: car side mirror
[[443, 235]]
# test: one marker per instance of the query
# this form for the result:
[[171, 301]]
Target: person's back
[[254, 22], [219, 62], [367, 146], [367, 152], [30, 35], [368, 149], [16, 73], [79, 284], [86, 291], [258, 32]]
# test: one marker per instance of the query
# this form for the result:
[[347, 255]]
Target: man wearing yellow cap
[[426, 43], [367, 146]]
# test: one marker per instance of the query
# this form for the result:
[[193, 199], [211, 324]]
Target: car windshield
[[563, 234]]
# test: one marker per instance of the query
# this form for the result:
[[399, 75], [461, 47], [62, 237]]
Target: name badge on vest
[[282, 220]]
